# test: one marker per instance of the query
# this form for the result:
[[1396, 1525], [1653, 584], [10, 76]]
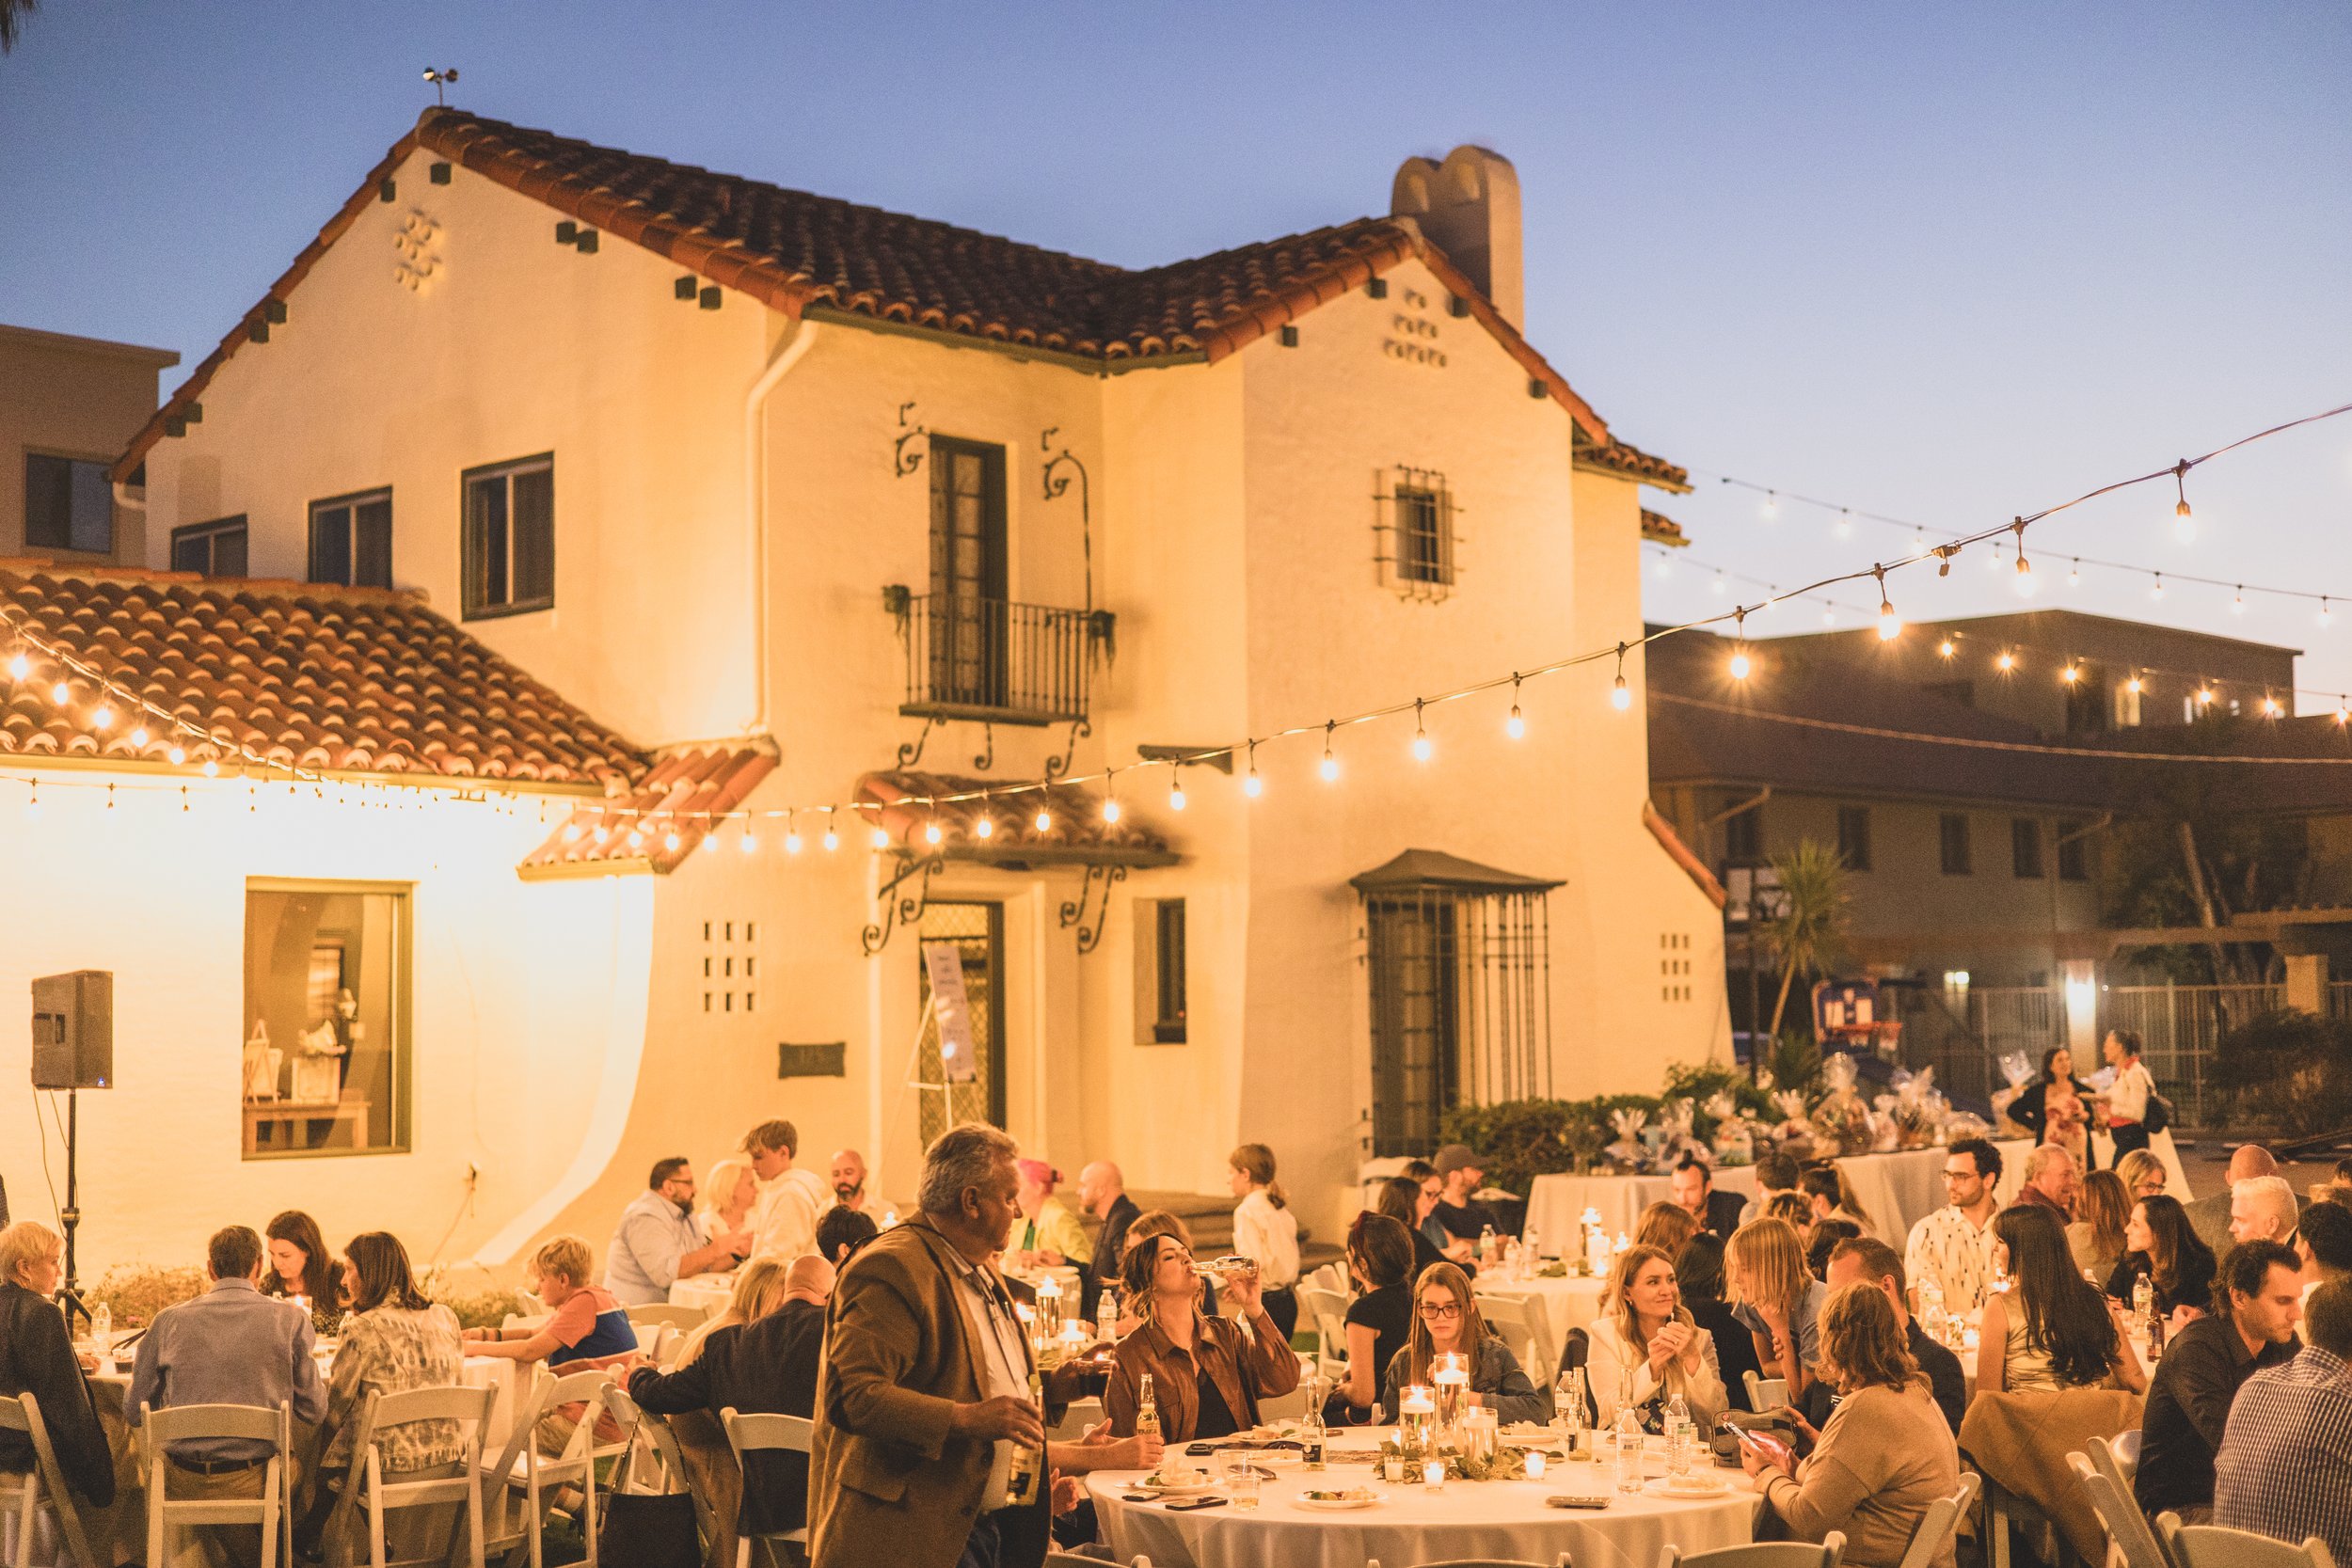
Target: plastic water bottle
[[1106, 1316], [101, 1330], [1628, 1442], [1678, 1434], [1489, 1248], [1531, 1247]]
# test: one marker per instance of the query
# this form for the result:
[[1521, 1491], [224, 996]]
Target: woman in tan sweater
[[1885, 1452]]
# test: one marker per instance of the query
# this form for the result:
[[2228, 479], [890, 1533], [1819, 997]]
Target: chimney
[[1469, 207]]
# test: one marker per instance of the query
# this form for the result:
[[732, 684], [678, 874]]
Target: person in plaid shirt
[[2286, 1467]]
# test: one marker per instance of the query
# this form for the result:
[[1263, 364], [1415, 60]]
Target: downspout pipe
[[795, 347]]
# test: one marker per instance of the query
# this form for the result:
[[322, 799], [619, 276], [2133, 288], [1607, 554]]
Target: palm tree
[[12, 15], [1809, 931]]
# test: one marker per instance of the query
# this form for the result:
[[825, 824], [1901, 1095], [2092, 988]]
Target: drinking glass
[[1240, 1482]]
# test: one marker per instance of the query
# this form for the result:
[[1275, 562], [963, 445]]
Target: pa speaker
[[73, 1030]]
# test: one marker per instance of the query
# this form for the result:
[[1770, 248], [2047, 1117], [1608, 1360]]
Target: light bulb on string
[[1251, 785], [749, 843], [32, 801], [1420, 736], [931, 833], [211, 768], [2072, 674], [2204, 695], [1738, 665], [1665, 565], [603, 832], [2134, 686], [1330, 765], [636, 839], [2074, 574], [1110, 802], [2270, 706], [1721, 587], [985, 826], [1772, 507], [709, 844], [2156, 593], [670, 842], [1620, 694], [2237, 601], [139, 737], [2343, 712], [831, 839], [1044, 821], [1829, 615], [2326, 618], [2184, 521], [1176, 798], [1890, 624], [571, 830], [1845, 523], [18, 666], [879, 838], [101, 718], [1946, 648], [61, 693], [2007, 662], [1516, 725], [792, 843]]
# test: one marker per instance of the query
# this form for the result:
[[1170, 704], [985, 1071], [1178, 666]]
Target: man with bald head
[[1103, 1192], [848, 1179], [768, 1364], [2209, 1216]]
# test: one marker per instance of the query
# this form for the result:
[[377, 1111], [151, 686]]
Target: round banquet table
[[709, 1292], [1571, 1303], [1410, 1523], [1556, 1204]]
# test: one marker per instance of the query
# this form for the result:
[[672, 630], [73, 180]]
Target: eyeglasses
[[1440, 1309]]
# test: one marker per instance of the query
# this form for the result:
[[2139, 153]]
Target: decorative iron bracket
[[903, 463], [902, 910], [911, 752], [1056, 767], [1054, 483], [987, 759], [1074, 913]]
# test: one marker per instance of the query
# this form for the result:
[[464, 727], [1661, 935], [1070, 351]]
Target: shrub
[[133, 1293], [2288, 1072]]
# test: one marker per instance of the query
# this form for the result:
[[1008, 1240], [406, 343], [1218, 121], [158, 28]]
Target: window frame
[[404, 895], [70, 460], [471, 607], [215, 529], [2026, 860], [350, 503], [1430, 569], [1963, 862], [1854, 830]]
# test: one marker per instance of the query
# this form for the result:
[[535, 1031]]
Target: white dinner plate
[[1335, 1505], [1158, 1488], [1690, 1487]]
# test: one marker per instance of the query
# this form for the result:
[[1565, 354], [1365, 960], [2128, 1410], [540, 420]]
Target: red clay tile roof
[[360, 680], [1619, 457], [1658, 529], [677, 806], [796, 252], [1077, 830]]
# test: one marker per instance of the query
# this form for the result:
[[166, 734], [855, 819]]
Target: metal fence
[[2179, 1028]]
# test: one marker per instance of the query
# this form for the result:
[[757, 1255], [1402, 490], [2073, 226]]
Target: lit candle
[[1416, 1402], [1536, 1464], [890, 1217], [1433, 1474]]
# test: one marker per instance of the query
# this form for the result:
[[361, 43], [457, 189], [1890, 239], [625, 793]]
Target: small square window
[[351, 540], [214, 549], [69, 504], [509, 538], [1957, 860], [2024, 847]]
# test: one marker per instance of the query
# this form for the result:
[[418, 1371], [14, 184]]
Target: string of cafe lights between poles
[[1422, 747]]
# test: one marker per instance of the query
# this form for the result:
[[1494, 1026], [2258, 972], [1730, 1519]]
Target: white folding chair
[[382, 1492], [40, 1494], [1526, 1327], [1327, 1312], [272, 1508], [524, 1478], [2127, 1527], [661, 1314], [1936, 1526], [2214, 1546], [1763, 1554], [751, 1434], [529, 1321]]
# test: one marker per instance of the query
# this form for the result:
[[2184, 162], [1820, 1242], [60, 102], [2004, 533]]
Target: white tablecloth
[[497, 1373], [709, 1292], [1412, 1525], [1556, 1204], [1566, 1302]]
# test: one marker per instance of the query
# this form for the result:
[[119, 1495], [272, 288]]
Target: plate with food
[[1695, 1484], [1332, 1499], [1177, 1481]]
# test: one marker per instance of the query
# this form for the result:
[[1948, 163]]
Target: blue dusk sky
[[1944, 263]]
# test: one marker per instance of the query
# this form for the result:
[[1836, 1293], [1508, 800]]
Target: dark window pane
[[1956, 847], [2073, 853], [1853, 837], [93, 525], [485, 543], [192, 552], [229, 552], [2024, 847], [48, 501], [1169, 1027], [1420, 536], [534, 537], [1744, 836], [331, 544], [372, 543]]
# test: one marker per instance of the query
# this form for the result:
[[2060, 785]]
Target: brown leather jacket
[[1244, 1363]]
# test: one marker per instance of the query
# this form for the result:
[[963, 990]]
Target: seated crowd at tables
[[904, 1346]]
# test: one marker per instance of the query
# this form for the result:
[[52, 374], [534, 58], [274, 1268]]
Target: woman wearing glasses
[[1446, 1321], [1207, 1374]]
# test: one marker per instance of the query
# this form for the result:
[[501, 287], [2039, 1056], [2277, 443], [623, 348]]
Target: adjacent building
[[895, 557], [68, 407]]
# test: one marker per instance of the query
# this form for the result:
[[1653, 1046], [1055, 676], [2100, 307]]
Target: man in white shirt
[[2127, 1097], [1953, 1247], [783, 1216], [660, 1241]]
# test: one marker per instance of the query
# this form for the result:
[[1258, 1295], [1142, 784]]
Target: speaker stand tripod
[[70, 1294]]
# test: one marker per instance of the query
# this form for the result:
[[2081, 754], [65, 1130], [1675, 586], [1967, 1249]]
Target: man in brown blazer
[[924, 1392]]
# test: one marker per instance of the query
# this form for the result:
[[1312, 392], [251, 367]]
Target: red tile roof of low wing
[[795, 251], [686, 795], [356, 680]]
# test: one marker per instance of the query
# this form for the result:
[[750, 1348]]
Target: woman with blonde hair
[[1646, 1348], [1778, 1299], [1446, 1321], [1885, 1455], [2143, 1174], [759, 1291], [2096, 1239], [1665, 1226], [1266, 1233], [733, 1189]]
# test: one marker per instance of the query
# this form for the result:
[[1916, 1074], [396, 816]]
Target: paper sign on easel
[[958, 1058]]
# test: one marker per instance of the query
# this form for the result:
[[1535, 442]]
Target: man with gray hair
[[924, 1395], [2263, 1209], [2209, 1216], [2052, 1181]]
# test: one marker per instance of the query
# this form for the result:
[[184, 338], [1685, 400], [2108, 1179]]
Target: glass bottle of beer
[[1028, 1465], [1146, 1409]]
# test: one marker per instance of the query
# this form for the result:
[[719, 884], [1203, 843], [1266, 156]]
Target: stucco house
[[861, 529]]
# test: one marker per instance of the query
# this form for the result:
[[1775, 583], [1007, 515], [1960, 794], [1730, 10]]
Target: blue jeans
[[984, 1547]]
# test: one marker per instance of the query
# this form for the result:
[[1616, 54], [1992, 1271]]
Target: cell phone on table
[[1185, 1505], [1582, 1499]]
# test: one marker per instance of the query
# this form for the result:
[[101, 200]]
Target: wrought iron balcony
[[994, 660]]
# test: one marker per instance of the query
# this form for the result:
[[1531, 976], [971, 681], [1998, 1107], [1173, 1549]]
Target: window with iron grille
[[1957, 861], [1461, 1006], [2024, 847], [1853, 837], [351, 540], [214, 549], [510, 537], [1416, 528]]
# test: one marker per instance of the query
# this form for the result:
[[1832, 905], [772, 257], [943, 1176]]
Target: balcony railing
[[991, 659]]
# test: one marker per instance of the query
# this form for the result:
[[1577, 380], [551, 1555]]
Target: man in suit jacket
[[924, 1394], [1103, 1191], [765, 1366], [1692, 1188]]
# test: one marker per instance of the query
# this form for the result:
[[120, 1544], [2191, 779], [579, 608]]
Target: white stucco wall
[[525, 998]]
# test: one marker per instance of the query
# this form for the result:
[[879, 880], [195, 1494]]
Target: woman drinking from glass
[[1446, 1323], [1207, 1374]]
